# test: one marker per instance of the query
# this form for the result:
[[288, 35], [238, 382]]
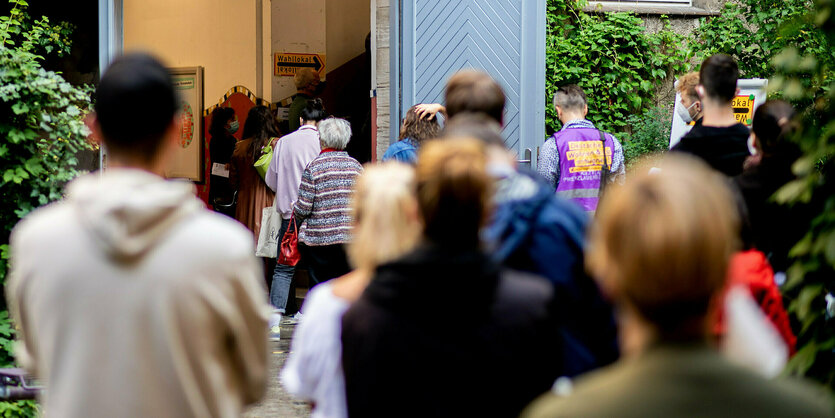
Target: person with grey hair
[[572, 160], [322, 211]]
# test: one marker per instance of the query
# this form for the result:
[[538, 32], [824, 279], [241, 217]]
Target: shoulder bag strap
[[603, 148]]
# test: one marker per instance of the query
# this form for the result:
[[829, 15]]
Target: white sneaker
[[275, 326], [295, 319]]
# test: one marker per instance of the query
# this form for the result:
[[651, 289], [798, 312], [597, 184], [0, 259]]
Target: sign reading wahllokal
[[287, 64]]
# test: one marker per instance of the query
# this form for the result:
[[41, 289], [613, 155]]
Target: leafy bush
[[650, 135], [612, 57], [756, 31], [41, 119], [760, 34], [803, 76]]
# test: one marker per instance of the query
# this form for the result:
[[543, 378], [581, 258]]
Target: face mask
[[684, 112], [232, 128], [752, 145]]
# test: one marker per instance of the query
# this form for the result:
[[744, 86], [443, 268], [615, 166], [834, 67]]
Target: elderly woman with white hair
[[323, 211]]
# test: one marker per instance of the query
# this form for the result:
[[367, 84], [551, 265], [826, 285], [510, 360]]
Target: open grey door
[[505, 38]]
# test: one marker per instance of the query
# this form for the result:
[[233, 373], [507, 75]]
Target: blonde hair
[[453, 191], [686, 85], [662, 242], [384, 212]]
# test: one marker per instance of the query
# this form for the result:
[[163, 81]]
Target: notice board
[[187, 161]]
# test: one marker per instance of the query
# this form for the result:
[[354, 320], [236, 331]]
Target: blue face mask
[[233, 127]]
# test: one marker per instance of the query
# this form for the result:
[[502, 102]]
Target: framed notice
[[187, 161]]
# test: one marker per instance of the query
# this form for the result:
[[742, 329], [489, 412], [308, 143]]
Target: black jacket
[[724, 149], [771, 227], [443, 332]]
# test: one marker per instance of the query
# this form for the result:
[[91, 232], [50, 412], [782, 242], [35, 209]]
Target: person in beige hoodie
[[132, 299]]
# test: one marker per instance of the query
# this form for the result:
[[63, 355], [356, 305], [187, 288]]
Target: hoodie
[[133, 300]]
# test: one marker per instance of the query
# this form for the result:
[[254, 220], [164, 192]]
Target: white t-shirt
[[314, 369]]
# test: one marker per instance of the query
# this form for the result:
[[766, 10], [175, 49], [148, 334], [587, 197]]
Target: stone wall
[[383, 87]]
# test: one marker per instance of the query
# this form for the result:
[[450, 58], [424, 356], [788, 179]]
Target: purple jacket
[[580, 164]]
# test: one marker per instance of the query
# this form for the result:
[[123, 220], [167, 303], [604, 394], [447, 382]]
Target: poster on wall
[[186, 162]]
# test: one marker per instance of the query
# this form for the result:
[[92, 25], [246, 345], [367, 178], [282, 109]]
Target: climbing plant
[[617, 62], [650, 135], [41, 123]]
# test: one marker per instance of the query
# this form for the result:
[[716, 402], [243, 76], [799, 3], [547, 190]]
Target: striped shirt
[[324, 206]]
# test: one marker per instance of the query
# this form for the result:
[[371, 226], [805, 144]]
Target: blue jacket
[[404, 151], [533, 230]]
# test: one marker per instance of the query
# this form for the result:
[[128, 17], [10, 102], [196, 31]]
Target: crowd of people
[[446, 281]]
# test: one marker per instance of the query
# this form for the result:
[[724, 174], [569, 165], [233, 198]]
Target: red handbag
[[288, 252]]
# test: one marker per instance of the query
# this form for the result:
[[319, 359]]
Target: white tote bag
[[268, 236]]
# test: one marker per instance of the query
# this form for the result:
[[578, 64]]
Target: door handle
[[526, 159]]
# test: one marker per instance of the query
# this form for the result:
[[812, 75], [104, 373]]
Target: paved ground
[[277, 402]]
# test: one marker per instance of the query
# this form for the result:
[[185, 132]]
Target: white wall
[[349, 22], [335, 28], [220, 35], [298, 26]]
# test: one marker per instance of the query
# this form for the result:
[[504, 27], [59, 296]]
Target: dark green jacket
[[682, 381], [295, 111]]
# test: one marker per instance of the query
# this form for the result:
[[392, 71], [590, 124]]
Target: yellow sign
[[587, 156], [287, 64], [744, 109]]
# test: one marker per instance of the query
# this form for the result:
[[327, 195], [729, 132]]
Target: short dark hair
[[718, 76], [570, 97], [475, 125], [476, 92], [135, 104], [314, 111]]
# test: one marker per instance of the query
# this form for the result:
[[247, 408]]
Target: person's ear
[[92, 123], [559, 112], [700, 91], [755, 146], [585, 110], [301, 121]]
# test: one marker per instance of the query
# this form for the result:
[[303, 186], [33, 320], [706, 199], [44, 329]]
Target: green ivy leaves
[[612, 57], [42, 129]]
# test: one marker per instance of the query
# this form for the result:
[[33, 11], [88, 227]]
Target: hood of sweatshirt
[[129, 211]]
